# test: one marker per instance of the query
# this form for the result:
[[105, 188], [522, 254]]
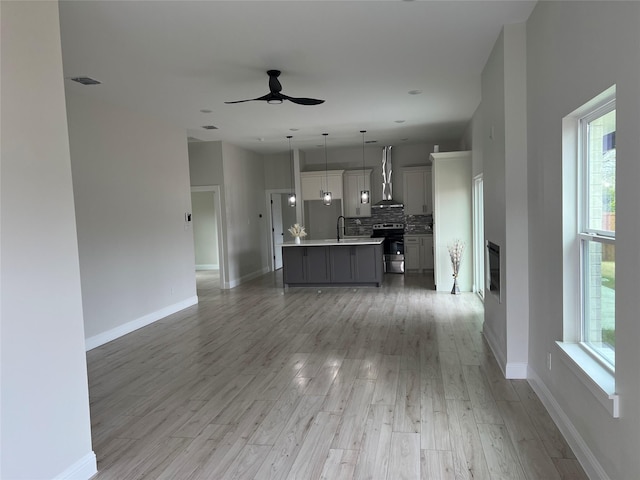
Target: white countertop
[[332, 241]]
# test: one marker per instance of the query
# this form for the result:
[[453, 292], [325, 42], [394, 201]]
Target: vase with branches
[[297, 231], [456, 249]]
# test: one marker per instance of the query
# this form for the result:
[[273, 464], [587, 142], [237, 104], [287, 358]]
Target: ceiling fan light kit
[[276, 97]]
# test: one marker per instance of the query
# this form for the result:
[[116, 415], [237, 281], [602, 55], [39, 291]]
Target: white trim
[[109, 335], [585, 456], [83, 469], [246, 278], [598, 379], [208, 266]]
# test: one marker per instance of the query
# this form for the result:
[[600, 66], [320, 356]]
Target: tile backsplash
[[417, 224]]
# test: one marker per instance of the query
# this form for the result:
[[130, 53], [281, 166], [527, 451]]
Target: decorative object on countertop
[[298, 232], [456, 249]]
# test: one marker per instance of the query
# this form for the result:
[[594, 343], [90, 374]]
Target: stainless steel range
[[393, 245]]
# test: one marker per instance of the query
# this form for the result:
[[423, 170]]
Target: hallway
[[343, 383]]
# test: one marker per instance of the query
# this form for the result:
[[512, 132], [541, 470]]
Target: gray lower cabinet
[[333, 265]]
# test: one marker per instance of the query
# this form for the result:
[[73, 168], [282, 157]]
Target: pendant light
[[292, 195], [365, 195], [326, 196]]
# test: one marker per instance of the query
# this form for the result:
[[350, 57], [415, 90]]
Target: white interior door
[[277, 229]]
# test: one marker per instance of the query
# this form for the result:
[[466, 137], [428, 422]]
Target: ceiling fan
[[274, 96]]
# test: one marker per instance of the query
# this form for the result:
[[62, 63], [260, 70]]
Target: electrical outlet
[[549, 360]]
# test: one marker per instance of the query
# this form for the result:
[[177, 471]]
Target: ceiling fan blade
[[303, 101], [266, 97], [242, 101]]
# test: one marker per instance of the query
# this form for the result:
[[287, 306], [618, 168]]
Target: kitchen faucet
[[338, 226]]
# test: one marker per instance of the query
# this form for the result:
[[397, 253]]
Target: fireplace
[[493, 279]]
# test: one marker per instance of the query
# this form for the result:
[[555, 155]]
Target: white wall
[[246, 219], [452, 217], [493, 153], [241, 175], [504, 163], [205, 163], [277, 171], [44, 419], [575, 50], [131, 186]]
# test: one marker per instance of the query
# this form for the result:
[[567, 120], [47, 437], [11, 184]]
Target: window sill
[[598, 379]]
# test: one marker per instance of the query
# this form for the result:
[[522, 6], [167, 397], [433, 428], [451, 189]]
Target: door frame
[[478, 236], [270, 244], [217, 200]]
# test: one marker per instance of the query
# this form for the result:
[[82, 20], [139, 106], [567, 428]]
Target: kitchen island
[[326, 262]]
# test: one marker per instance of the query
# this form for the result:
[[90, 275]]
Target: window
[[588, 245], [597, 230]]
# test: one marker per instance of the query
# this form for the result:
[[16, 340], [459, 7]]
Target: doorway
[[207, 232], [282, 216]]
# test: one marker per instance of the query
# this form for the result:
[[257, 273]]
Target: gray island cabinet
[[329, 262]]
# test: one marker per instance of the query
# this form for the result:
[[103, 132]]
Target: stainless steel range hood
[[387, 186]]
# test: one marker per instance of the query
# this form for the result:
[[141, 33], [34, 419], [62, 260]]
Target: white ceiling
[[171, 59]]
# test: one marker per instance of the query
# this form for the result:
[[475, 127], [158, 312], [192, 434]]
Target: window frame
[[584, 233]]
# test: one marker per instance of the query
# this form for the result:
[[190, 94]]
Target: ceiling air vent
[[86, 80], [209, 127]]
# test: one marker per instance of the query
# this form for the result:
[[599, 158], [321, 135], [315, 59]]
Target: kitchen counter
[[331, 262], [326, 242]]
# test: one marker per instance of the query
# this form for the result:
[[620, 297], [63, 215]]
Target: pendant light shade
[[365, 195], [326, 196], [292, 196]]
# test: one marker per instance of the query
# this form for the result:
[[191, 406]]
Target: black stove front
[[393, 245]]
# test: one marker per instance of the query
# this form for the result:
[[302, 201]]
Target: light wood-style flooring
[[259, 382]]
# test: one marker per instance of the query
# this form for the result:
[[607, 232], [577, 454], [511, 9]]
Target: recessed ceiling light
[[86, 80], [404, 139], [209, 127], [294, 129], [399, 121], [206, 110], [414, 92]]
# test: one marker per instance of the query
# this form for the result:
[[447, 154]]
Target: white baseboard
[[83, 469], [246, 278], [583, 453], [208, 266], [105, 337]]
